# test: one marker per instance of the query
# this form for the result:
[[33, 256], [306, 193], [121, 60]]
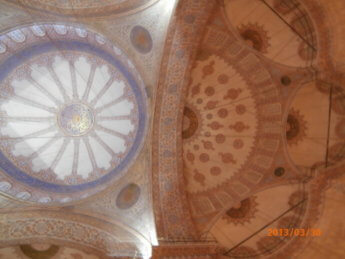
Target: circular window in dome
[[72, 112]]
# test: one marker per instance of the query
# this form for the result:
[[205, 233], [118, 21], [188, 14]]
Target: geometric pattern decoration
[[231, 126], [85, 7], [243, 212], [244, 229], [191, 128], [173, 220], [296, 127], [220, 124], [70, 232], [255, 36], [307, 127], [72, 112], [280, 30]]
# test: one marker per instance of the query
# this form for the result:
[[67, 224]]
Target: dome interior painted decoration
[[172, 129], [73, 112]]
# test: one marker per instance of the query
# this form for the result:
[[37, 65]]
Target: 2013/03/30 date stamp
[[294, 232]]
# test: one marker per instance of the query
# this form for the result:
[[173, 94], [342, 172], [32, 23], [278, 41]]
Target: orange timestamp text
[[297, 232]]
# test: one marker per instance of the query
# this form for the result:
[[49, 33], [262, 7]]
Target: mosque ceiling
[[44, 251], [260, 124], [171, 128], [85, 8], [62, 138], [64, 179]]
